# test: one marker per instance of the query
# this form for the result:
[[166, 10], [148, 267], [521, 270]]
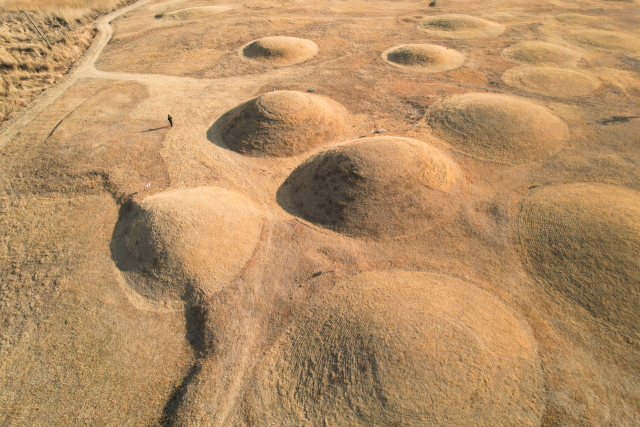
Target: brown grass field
[[378, 213]]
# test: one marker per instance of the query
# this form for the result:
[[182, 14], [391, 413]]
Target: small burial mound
[[283, 123], [280, 50], [574, 18], [498, 128], [584, 239], [551, 81], [424, 57], [375, 187], [460, 26], [182, 240], [196, 12], [540, 54], [401, 349], [605, 40]]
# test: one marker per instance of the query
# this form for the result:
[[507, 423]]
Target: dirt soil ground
[[418, 237]]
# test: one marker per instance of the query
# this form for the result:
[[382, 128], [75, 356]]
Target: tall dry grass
[[27, 65]]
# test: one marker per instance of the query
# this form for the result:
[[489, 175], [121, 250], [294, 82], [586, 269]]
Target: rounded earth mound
[[376, 187], [539, 54], [460, 26], [574, 18], [424, 57], [196, 238], [197, 12], [498, 128], [283, 123], [605, 40], [280, 50], [584, 239], [551, 81], [401, 348]]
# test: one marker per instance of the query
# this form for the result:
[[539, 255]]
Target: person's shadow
[[151, 130]]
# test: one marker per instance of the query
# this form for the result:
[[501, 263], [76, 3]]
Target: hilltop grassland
[[28, 65]]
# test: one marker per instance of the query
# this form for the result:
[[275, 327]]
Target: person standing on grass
[[170, 120]]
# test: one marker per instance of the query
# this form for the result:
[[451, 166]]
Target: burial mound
[[606, 40], [376, 187], [551, 81], [574, 18], [424, 57], [197, 12], [283, 123], [584, 239], [498, 128], [180, 240], [460, 26], [280, 50], [401, 348], [540, 53]]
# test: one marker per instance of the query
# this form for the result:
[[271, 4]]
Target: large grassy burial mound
[[584, 239], [551, 81], [376, 187], [424, 57], [605, 40], [196, 12], [539, 53], [401, 349], [282, 123], [498, 128], [460, 26], [280, 50], [181, 240]]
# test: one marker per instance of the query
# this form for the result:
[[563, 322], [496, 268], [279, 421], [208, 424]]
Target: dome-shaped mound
[[584, 239], [197, 12], [424, 57], [499, 128], [280, 50], [181, 239], [605, 40], [376, 187], [539, 54], [551, 81], [460, 26], [401, 348], [282, 123], [574, 18]]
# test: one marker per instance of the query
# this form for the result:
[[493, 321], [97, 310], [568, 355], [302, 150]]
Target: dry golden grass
[[27, 64]]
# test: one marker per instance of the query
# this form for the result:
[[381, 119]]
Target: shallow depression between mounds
[[401, 348], [424, 57], [584, 240], [179, 241], [280, 50], [282, 123], [376, 187], [498, 128]]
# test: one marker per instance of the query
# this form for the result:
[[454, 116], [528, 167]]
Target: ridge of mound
[[280, 50], [498, 128], [460, 26], [283, 123], [184, 239], [551, 81], [197, 12], [584, 239], [540, 53], [423, 57], [574, 18], [605, 40], [375, 187], [401, 348]]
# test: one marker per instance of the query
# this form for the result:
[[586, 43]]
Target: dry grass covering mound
[[605, 40], [584, 239], [179, 241], [280, 50], [574, 18], [540, 53], [282, 123], [377, 187], [551, 81], [197, 12], [460, 26], [424, 57], [401, 349], [499, 128]]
